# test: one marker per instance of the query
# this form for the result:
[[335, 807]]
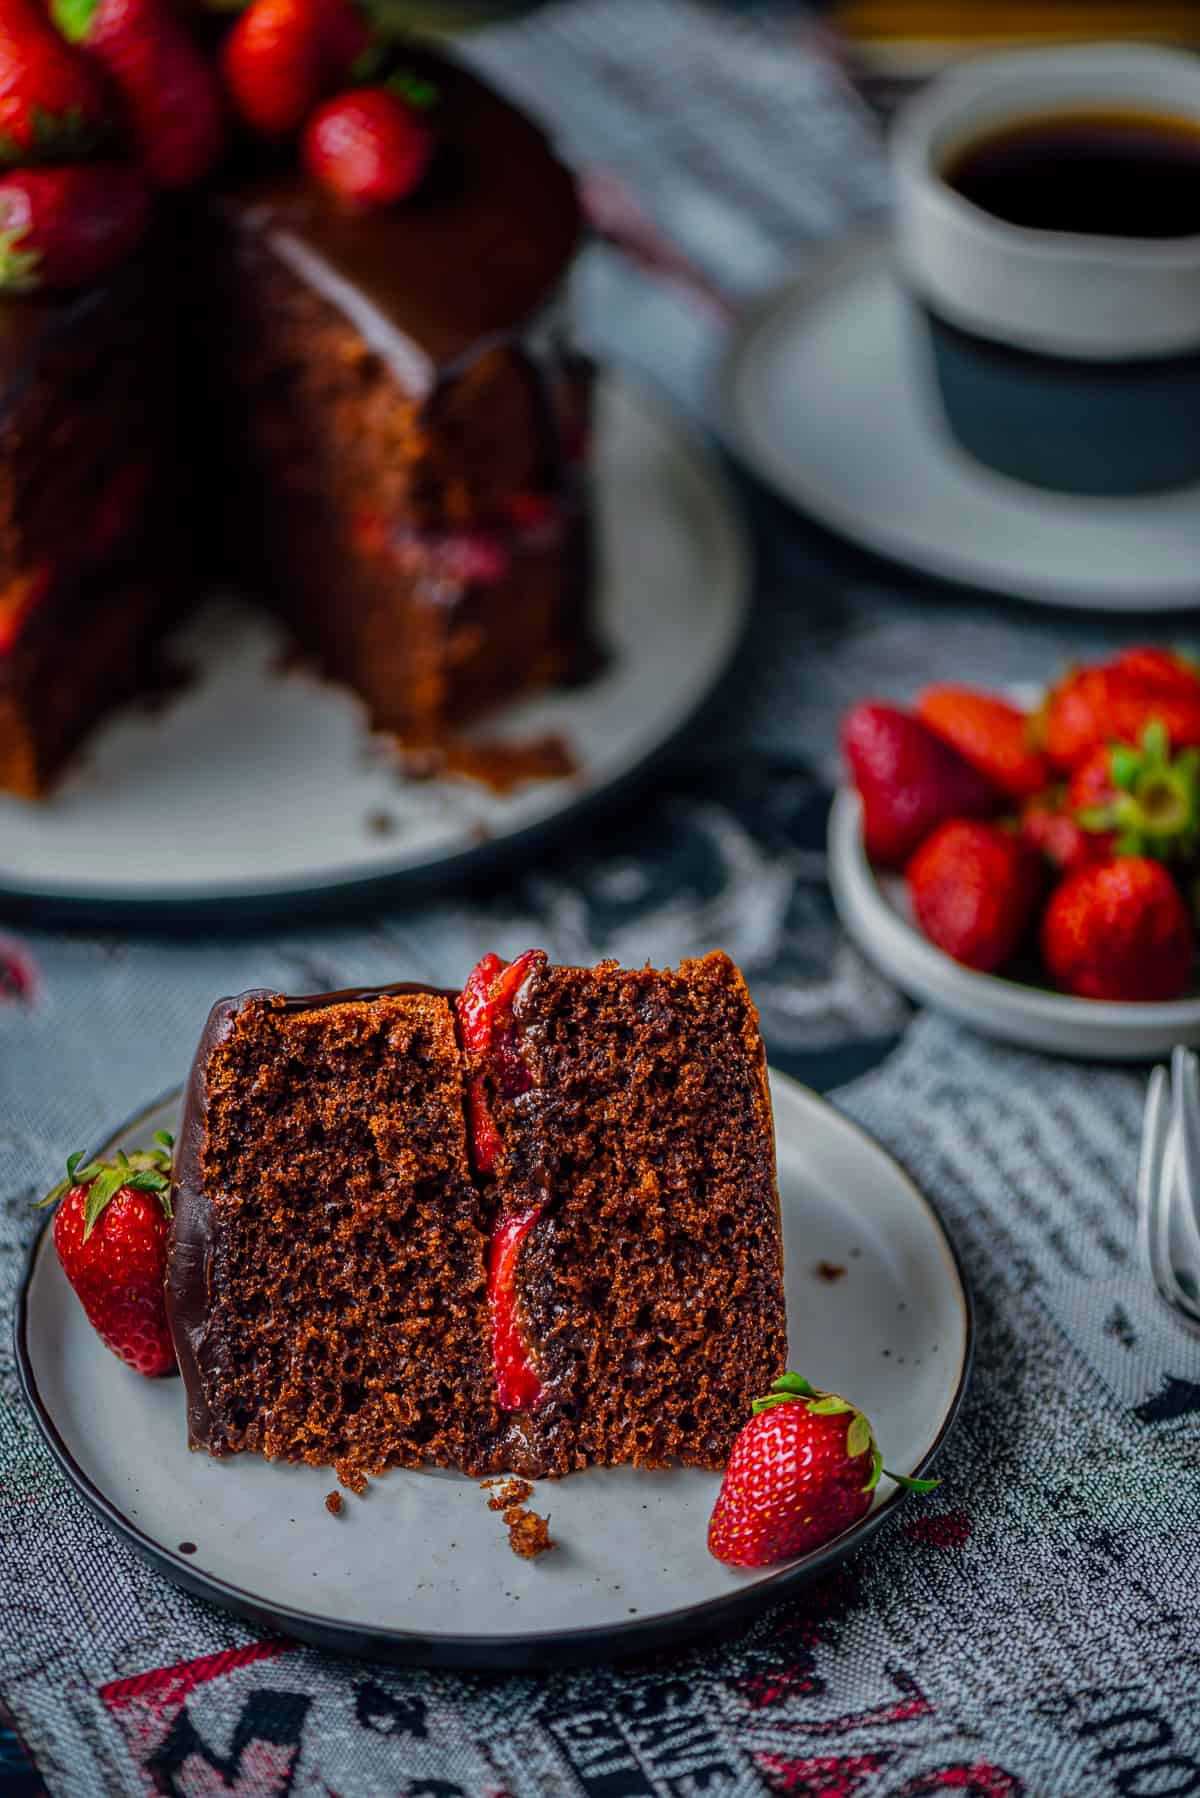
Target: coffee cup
[[1065, 357]]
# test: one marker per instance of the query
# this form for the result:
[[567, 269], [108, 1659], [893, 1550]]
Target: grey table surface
[[1034, 1629]]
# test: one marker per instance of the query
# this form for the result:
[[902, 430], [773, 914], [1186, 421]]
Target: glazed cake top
[[474, 253]]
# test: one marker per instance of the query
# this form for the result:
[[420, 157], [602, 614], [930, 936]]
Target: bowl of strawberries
[[1030, 862]]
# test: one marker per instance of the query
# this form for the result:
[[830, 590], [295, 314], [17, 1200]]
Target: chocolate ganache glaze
[[190, 1251], [476, 253]]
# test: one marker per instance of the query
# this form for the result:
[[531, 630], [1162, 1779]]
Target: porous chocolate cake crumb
[[650, 1285], [333, 1504], [351, 1476], [528, 1534], [332, 1190]]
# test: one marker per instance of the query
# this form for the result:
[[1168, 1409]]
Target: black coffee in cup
[[1048, 234], [1118, 173]]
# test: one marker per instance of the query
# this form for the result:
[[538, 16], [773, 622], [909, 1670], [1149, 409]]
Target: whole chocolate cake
[[529, 1227], [369, 414]]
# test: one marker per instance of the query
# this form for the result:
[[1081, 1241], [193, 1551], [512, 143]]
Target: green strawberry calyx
[[18, 267], [51, 137], [413, 89], [147, 1170], [793, 1388], [1155, 810], [73, 18]]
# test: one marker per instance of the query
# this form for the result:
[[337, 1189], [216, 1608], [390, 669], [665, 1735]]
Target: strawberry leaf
[[1155, 741], [1124, 766], [63, 1186], [858, 1436], [145, 1180], [164, 1139], [414, 90], [910, 1485], [876, 1469], [18, 267], [147, 1170], [794, 1382], [73, 17], [103, 1188], [829, 1405]]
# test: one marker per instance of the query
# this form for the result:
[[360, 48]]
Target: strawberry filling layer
[[480, 557], [19, 601], [517, 1385], [489, 1031]]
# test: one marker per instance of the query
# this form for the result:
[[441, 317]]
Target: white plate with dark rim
[[257, 784], [874, 908], [419, 1570], [828, 392]]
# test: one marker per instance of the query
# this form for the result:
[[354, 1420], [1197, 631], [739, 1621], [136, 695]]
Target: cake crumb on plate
[[333, 1504], [511, 1492], [528, 1534]]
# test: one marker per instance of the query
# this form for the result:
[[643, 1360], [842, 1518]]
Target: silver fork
[[1168, 1188]]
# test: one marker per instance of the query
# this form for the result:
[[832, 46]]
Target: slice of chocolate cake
[[326, 1286], [403, 420], [598, 1282], [623, 1122]]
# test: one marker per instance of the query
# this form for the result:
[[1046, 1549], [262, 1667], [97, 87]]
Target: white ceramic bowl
[[875, 912]]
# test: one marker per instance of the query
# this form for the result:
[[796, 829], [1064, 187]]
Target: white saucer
[[827, 391], [419, 1570], [255, 785], [875, 910]]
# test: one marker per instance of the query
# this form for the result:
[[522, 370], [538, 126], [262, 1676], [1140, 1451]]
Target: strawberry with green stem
[[52, 102], [802, 1470], [110, 1232], [170, 92], [369, 146], [1147, 799], [1090, 707], [63, 227]]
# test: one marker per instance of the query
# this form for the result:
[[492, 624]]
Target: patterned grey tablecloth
[[1032, 1629]]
